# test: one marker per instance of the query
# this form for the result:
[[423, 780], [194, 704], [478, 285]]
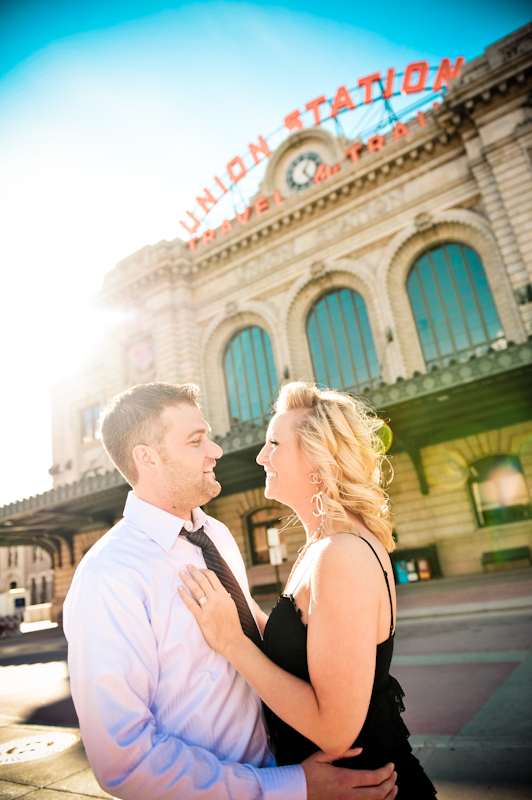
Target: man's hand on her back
[[325, 782]]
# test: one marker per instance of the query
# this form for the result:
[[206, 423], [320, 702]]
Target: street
[[467, 677], [468, 698]]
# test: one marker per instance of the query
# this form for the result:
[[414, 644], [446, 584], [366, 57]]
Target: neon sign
[[414, 80]]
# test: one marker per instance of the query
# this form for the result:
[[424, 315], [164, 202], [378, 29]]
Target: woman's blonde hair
[[348, 444]]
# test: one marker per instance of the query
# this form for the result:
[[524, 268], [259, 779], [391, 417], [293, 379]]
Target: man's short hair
[[135, 417]]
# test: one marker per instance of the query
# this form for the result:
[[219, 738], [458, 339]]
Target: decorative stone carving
[[139, 357], [423, 221], [523, 294], [517, 49], [243, 434], [318, 270]]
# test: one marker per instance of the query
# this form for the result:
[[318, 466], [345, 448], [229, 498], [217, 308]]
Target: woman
[[322, 672]]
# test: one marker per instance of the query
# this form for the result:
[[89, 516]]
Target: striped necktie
[[214, 561]]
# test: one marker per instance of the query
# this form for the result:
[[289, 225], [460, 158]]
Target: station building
[[404, 276], [29, 568]]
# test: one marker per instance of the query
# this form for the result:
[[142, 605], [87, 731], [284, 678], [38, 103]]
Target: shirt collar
[[159, 525]]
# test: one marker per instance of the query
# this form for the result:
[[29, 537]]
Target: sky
[[114, 116]]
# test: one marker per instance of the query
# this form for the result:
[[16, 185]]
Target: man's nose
[[216, 451]]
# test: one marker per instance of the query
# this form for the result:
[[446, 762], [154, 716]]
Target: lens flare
[[448, 471], [386, 436]]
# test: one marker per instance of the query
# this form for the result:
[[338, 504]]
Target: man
[[162, 715]]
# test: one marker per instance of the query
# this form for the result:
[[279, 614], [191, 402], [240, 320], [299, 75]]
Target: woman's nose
[[261, 458]]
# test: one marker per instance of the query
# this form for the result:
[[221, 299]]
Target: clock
[[301, 171]]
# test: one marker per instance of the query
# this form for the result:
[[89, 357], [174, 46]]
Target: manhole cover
[[32, 747]]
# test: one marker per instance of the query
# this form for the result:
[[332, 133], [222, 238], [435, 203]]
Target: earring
[[318, 496]]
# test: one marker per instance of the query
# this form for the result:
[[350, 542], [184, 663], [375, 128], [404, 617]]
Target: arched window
[[499, 490], [258, 524], [340, 340], [250, 374], [452, 304]]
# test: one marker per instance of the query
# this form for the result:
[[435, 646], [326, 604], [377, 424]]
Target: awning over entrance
[[52, 518]]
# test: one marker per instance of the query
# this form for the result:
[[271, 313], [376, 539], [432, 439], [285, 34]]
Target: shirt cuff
[[283, 783]]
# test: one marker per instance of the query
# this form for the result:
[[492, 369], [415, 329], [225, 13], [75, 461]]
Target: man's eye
[[272, 441]]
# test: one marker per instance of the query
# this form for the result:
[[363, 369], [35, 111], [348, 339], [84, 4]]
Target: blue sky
[[29, 25], [114, 115]]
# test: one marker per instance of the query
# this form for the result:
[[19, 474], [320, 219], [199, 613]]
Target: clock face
[[301, 171]]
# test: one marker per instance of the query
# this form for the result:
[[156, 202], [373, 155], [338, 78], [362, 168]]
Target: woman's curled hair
[[345, 439]]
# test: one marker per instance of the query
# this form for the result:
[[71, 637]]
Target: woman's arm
[[342, 641], [261, 617]]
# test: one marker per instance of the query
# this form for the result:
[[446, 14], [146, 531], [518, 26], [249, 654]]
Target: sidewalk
[[486, 752], [482, 591], [65, 775], [489, 752], [509, 590]]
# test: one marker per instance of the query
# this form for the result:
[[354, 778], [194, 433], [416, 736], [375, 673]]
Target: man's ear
[[143, 456]]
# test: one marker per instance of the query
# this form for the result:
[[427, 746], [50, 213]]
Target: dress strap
[[386, 579], [310, 562]]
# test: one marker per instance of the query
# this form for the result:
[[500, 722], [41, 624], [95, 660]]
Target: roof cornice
[[62, 494]]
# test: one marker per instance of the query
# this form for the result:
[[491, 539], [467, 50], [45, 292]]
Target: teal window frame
[[250, 375], [341, 341], [452, 304]]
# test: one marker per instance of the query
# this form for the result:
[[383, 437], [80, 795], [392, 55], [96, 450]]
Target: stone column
[[513, 175], [511, 165], [502, 217], [499, 220]]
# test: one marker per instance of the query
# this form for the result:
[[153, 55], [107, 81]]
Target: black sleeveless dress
[[384, 736]]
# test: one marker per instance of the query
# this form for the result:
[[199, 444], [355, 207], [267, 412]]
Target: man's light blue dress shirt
[[162, 715]]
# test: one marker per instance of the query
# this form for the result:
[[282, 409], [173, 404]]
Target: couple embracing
[[169, 655]]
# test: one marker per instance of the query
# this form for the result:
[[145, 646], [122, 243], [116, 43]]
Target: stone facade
[[30, 568], [464, 176], [445, 516]]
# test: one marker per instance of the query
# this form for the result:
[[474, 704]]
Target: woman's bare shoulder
[[346, 550], [349, 541], [344, 572]]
